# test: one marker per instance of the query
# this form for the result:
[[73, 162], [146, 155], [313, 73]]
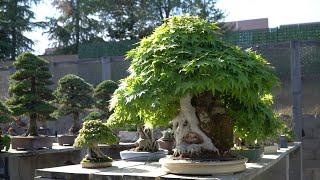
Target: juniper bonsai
[[91, 134], [102, 95], [73, 95], [29, 89], [209, 89]]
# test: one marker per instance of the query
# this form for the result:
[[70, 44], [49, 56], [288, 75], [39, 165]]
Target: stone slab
[[142, 170]]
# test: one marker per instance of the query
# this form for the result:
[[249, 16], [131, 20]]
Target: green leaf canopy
[[95, 132], [73, 94], [5, 113], [186, 55]]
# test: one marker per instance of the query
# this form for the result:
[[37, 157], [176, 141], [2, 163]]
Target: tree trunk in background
[[214, 121], [76, 125], [77, 23], [33, 128], [13, 32]]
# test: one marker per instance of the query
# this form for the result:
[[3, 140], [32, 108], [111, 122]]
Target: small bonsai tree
[[102, 95], [5, 113], [29, 90], [73, 96], [209, 89], [4, 141], [92, 133]]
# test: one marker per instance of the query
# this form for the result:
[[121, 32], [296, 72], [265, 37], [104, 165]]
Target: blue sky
[[277, 11]]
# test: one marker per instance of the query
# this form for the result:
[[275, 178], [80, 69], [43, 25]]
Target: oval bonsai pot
[[253, 155], [66, 140], [31, 142], [130, 155], [96, 165], [202, 167]]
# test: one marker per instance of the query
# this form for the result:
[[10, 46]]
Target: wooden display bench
[[285, 164]]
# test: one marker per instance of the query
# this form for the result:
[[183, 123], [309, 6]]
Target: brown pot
[[31, 142], [66, 140]]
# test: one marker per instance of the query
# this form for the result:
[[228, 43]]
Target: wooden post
[[296, 97], [296, 89]]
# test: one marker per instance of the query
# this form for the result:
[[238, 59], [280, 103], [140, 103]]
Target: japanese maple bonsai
[[92, 133], [209, 89], [73, 95], [31, 96], [102, 95]]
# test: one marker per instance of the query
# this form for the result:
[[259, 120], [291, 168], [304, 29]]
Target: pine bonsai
[[73, 96], [5, 113], [92, 133], [210, 90], [102, 95], [29, 89]]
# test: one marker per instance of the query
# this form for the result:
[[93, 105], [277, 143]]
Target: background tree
[[29, 89], [76, 24], [102, 95], [210, 90], [16, 18], [73, 96], [92, 133]]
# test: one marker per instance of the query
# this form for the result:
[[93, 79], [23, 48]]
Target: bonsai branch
[[190, 139], [94, 152]]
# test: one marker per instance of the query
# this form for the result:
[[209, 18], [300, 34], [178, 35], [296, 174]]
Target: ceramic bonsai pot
[[130, 155], [253, 155], [270, 149], [96, 165], [196, 167], [31, 142], [66, 140]]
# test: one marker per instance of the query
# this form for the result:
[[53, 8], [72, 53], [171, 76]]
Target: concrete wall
[[23, 167]]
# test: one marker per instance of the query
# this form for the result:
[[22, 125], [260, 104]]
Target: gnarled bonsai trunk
[[146, 141], [94, 152], [76, 125], [203, 128], [33, 128]]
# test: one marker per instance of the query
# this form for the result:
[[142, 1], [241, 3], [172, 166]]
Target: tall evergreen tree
[[30, 91], [16, 18], [76, 24]]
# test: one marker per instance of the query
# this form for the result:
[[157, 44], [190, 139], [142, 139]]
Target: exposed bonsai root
[[146, 141], [190, 140]]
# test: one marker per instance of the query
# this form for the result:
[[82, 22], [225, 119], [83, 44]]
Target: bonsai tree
[[92, 133], [29, 89], [4, 141], [5, 113], [73, 95], [102, 95], [209, 89]]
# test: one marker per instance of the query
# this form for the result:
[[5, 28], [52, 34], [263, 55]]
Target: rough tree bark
[[146, 141], [190, 139], [33, 128], [214, 121], [94, 152], [76, 125]]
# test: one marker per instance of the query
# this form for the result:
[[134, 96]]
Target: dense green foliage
[[5, 114], [102, 94], [73, 95], [29, 89], [4, 142], [16, 19], [186, 55], [95, 132]]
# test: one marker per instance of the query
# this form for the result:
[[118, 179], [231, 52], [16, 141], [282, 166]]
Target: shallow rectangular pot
[[66, 140], [31, 142]]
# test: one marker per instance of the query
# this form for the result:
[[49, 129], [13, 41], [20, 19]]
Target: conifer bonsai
[[91, 134], [5, 113], [102, 95], [210, 90], [29, 90], [73, 95]]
